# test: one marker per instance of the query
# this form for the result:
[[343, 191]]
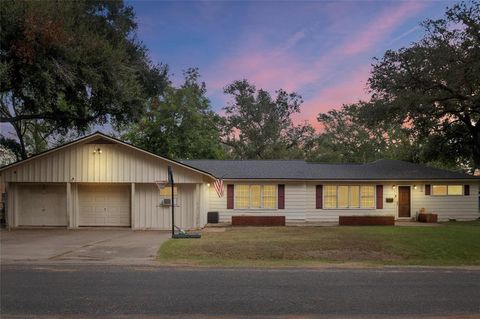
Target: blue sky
[[320, 49]]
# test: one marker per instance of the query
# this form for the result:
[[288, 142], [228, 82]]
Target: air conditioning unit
[[168, 202]]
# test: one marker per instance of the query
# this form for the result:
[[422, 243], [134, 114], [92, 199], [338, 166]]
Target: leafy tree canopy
[[180, 123], [347, 137], [433, 87], [259, 126], [66, 65]]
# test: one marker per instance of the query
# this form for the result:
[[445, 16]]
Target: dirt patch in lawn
[[350, 255]]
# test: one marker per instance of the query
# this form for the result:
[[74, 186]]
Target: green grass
[[450, 244]]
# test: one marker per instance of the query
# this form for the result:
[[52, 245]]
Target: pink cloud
[[268, 70], [351, 90], [283, 67], [381, 27]]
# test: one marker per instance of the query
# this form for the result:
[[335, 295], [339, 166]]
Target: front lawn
[[454, 243]]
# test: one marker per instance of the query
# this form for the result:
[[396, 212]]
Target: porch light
[[97, 151], [414, 186], [208, 184], [394, 186]]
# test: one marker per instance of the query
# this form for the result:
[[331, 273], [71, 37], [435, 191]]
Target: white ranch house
[[101, 181]]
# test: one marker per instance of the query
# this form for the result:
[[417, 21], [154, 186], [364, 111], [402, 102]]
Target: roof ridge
[[246, 160]]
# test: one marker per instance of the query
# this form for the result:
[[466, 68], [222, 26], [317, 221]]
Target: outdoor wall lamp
[[394, 186], [414, 186], [97, 151]]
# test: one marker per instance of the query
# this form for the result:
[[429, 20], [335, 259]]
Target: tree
[[257, 126], [348, 136], [66, 65], [180, 123], [433, 86]]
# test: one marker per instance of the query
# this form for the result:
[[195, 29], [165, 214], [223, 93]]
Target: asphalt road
[[66, 290]]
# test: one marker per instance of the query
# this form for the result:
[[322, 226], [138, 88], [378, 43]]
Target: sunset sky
[[320, 49]]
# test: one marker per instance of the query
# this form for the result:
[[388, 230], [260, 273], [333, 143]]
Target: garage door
[[42, 205], [104, 205]]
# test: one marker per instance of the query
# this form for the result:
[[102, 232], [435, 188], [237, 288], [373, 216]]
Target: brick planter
[[366, 220], [427, 218], [258, 220]]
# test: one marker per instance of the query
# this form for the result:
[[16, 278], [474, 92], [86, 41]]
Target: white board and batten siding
[[300, 202], [114, 188], [116, 164], [148, 213]]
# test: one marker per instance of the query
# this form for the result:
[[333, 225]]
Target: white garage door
[[42, 205], [104, 205]]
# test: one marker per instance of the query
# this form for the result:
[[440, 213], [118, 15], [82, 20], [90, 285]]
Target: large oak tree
[[67, 65], [259, 126], [433, 86]]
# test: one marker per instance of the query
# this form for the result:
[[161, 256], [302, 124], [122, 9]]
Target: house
[[101, 181]]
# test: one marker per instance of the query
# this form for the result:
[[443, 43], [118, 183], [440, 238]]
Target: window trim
[[359, 198], [447, 194], [250, 197]]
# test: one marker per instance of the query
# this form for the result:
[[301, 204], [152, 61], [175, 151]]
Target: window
[[442, 190], [167, 191], [354, 196], [439, 190], [348, 196], [342, 196], [242, 196], [330, 196], [455, 189], [255, 196], [367, 197], [269, 196]]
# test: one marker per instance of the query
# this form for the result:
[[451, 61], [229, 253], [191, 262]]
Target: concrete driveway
[[103, 246]]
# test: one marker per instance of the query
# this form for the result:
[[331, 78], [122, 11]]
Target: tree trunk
[[21, 141]]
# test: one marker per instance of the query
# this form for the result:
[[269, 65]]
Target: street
[[68, 290]]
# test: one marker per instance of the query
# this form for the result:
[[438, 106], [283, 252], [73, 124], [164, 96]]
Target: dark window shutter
[[319, 197], [230, 196], [379, 196], [427, 189], [466, 189], [281, 196]]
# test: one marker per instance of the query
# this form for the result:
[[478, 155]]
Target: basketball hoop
[[161, 184]]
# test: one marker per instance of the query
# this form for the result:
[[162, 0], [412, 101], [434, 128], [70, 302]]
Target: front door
[[403, 201]]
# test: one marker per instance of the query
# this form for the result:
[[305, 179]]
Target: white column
[[11, 206], [197, 208], [70, 217], [132, 205]]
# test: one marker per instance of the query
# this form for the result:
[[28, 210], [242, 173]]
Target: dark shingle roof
[[298, 169]]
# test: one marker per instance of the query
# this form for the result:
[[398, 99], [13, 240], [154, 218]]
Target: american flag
[[218, 184]]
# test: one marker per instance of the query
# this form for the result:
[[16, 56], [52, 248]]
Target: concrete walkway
[[98, 246]]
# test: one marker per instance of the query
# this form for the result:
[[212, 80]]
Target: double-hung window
[[255, 196], [348, 196]]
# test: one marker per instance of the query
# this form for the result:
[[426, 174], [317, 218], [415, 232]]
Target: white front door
[[104, 205]]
